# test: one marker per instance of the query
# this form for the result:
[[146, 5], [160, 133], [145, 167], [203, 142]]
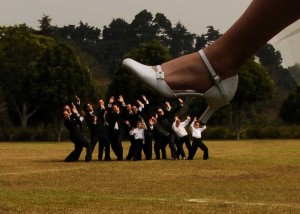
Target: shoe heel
[[216, 99], [209, 111]]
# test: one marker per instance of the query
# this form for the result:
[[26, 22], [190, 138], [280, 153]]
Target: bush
[[31, 134], [272, 132], [218, 132]]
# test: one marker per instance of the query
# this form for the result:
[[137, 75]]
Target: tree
[[182, 42], [295, 72], [37, 73], [163, 29], [271, 60], [116, 30], [141, 28], [290, 110], [269, 56], [20, 52], [114, 44], [210, 36], [45, 26], [62, 76], [254, 85]]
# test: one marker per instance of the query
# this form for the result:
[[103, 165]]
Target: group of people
[[211, 73], [110, 124]]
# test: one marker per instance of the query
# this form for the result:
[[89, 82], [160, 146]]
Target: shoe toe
[[148, 76]]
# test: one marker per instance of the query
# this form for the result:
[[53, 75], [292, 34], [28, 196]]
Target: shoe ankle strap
[[215, 76]]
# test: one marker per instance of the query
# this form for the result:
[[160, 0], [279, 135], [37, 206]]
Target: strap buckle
[[217, 79], [159, 74]]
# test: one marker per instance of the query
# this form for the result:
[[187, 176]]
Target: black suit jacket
[[96, 129], [114, 118], [73, 126]]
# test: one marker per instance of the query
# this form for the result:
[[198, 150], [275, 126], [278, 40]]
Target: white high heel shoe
[[217, 96]]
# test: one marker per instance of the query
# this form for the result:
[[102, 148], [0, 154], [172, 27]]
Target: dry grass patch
[[241, 177]]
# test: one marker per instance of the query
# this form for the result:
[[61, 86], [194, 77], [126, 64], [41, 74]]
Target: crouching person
[[197, 129], [72, 120]]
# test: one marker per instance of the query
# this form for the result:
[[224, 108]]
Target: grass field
[[261, 176]]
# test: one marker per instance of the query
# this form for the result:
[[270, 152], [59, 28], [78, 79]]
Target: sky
[[195, 15]]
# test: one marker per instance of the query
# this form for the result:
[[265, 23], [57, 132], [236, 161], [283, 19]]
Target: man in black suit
[[96, 123], [165, 119], [72, 122], [117, 125]]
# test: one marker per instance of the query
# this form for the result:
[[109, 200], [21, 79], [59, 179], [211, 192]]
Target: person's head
[[67, 108], [101, 102], [139, 124], [152, 120], [88, 107], [177, 121], [197, 124], [66, 114], [160, 112], [134, 109], [128, 106], [116, 108]]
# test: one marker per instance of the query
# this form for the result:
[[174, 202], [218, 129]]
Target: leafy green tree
[[295, 72], [269, 56], [200, 42], [37, 73], [163, 29], [141, 28], [80, 35], [3, 104], [61, 76], [116, 30], [211, 35], [20, 52], [114, 44], [255, 85], [207, 38], [86, 34], [182, 42], [45, 26], [290, 110], [271, 60]]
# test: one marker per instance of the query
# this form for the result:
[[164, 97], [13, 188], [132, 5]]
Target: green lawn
[[261, 176]]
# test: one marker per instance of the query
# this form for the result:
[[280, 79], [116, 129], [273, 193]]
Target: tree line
[[43, 69]]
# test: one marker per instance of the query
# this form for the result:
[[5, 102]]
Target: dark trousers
[[75, 154], [160, 148], [179, 144], [170, 140], [197, 143], [147, 148], [104, 146], [131, 148], [116, 143], [138, 145]]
